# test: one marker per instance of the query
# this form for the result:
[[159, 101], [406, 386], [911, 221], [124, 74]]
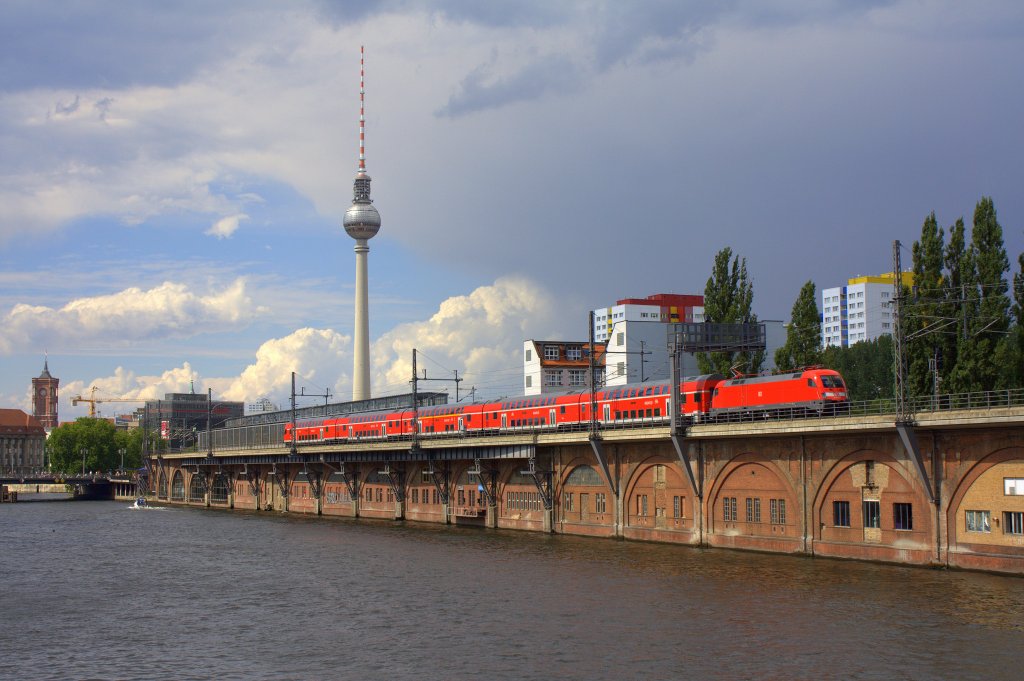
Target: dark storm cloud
[[556, 74], [618, 33], [535, 13]]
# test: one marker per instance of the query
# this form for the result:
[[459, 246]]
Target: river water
[[98, 590]]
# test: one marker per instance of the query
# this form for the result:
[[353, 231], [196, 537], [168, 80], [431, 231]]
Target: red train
[[704, 398]]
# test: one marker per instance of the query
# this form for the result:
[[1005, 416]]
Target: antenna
[[362, 112]]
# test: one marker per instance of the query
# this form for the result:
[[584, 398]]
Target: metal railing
[[271, 436]]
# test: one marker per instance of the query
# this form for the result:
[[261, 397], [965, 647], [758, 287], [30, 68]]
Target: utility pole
[[416, 379], [415, 404], [209, 417], [326, 394], [593, 381], [899, 360], [294, 449], [643, 360]]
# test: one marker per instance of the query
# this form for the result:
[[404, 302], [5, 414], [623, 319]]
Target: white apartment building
[[261, 406], [635, 332], [559, 366], [859, 311]]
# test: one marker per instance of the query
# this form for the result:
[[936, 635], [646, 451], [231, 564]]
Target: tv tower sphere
[[362, 221]]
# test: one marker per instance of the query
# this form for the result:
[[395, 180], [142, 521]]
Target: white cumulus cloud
[[317, 355], [170, 309], [479, 334], [225, 227]]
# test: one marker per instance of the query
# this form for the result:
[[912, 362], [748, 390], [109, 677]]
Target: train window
[[563, 409], [657, 412], [697, 397], [632, 413], [810, 382]]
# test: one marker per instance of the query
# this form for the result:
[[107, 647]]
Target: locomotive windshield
[[830, 381]]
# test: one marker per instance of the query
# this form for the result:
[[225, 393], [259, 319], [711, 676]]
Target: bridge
[[930, 491], [82, 487]]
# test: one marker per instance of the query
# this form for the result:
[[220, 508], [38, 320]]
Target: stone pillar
[[618, 510], [491, 519]]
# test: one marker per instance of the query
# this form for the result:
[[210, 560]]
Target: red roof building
[[22, 443]]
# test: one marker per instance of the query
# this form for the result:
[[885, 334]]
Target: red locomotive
[[704, 398]]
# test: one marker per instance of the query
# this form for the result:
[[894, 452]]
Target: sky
[[173, 175]]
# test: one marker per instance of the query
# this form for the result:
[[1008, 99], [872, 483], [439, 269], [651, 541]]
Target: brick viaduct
[[846, 487]]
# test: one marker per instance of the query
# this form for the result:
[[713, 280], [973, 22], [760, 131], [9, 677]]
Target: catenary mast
[[362, 222]]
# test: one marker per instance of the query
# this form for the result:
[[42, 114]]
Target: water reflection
[[214, 594]]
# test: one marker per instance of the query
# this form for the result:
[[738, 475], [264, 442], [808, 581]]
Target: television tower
[[362, 222]]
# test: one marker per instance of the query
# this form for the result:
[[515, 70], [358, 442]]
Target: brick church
[[44, 398]]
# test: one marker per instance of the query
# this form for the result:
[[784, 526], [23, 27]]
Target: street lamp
[[121, 451], [84, 452]]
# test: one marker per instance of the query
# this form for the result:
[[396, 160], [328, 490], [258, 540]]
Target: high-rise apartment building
[[859, 311]]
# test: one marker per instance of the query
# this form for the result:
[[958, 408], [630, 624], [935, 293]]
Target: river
[[98, 590]]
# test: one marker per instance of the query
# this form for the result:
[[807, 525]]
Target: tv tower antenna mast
[[362, 222]]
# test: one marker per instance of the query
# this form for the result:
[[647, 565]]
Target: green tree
[[1012, 357], [1018, 291], [956, 260], [803, 336], [983, 344], [927, 326], [131, 442], [865, 366], [728, 298], [86, 443]]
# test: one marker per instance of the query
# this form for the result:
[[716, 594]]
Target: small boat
[[141, 502]]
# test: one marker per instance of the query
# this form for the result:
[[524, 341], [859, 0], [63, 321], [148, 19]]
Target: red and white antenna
[[362, 114]]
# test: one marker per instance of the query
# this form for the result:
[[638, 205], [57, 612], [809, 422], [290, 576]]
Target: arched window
[[584, 476], [161, 489], [219, 491], [178, 487], [197, 487]]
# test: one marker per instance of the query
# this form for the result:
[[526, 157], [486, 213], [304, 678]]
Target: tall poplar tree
[[930, 331], [959, 270], [803, 336], [983, 344], [1016, 335], [1018, 292], [728, 298]]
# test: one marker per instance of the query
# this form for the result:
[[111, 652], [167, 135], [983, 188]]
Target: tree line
[[93, 445], [962, 324]]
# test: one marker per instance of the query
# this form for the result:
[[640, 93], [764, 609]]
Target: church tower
[[44, 398]]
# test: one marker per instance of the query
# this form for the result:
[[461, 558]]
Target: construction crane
[[93, 401]]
